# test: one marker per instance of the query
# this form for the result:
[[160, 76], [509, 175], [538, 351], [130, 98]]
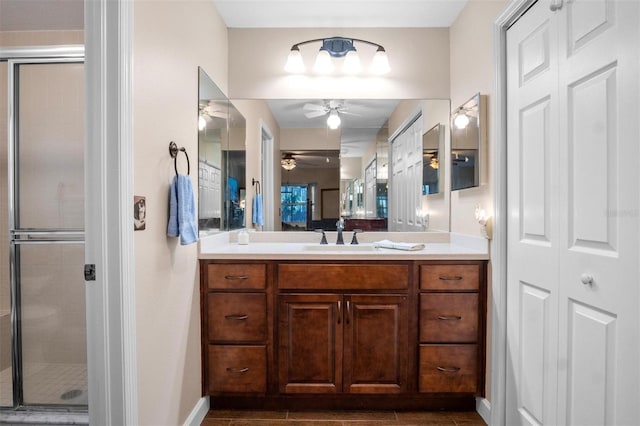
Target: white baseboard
[[483, 407], [198, 413]]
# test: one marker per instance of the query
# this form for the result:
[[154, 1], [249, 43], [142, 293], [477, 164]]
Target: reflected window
[[295, 211]]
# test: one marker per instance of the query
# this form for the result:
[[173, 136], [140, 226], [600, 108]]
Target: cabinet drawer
[[449, 317], [449, 277], [237, 369], [237, 316], [236, 276], [448, 368], [343, 277]]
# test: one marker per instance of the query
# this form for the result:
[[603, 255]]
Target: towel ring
[[173, 152]]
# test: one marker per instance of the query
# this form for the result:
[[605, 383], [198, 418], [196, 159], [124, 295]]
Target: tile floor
[[48, 384], [340, 418]]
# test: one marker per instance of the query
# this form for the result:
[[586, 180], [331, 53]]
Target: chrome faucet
[[340, 228]]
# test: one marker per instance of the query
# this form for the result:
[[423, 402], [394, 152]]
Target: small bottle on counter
[[243, 237]]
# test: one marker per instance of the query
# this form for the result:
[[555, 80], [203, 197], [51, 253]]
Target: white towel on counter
[[399, 246]]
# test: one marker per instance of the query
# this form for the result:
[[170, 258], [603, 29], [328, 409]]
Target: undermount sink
[[336, 247]]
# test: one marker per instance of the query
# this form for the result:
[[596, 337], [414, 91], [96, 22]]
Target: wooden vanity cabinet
[[343, 334], [452, 323], [343, 343], [235, 328]]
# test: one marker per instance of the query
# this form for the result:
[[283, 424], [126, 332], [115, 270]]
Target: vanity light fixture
[[288, 162], [338, 47], [461, 120]]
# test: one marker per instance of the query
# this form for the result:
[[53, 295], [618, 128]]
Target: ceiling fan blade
[[314, 114], [314, 107], [342, 111]]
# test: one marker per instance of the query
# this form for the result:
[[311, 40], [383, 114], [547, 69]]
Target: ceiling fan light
[[323, 64], [294, 64], [288, 162], [202, 123], [380, 62], [352, 63], [461, 121], [333, 121]]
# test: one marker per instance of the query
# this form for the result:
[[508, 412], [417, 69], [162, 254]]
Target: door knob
[[586, 279], [556, 5]]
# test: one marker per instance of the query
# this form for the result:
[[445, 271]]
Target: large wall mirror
[[327, 173], [221, 160], [466, 140]]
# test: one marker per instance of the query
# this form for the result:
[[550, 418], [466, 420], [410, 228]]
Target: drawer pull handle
[[449, 318], [446, 278], [237, 370], [236, 277], [449, 369], [339, 312], [236, 317]]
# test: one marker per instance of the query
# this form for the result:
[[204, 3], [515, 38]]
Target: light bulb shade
[[323, 64], [380, 62], [288, 163], [461, 121], [202, 123], [333, 121], [294, 64], [352, 63]]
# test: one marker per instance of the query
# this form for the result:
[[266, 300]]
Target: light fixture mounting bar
[[337, 46]]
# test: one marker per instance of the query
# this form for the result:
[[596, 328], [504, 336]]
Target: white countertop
[[305, 246]]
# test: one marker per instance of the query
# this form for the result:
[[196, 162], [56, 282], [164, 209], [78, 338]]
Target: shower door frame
[[14, 58]]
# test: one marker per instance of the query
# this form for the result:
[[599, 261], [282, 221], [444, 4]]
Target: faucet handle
[[354, 240], [324, 236]]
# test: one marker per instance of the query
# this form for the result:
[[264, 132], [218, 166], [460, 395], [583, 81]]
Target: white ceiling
[[338, 13], [360, 121], [29, 15]]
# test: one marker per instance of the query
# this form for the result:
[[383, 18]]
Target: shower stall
[[43, 352]]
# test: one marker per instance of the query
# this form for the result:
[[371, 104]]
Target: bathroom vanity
[[288, 326]]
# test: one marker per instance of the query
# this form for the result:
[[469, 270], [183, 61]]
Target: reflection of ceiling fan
[[332, 107], [208, 111], [310, 159]]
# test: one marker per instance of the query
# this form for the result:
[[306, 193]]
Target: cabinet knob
[[586, 279]]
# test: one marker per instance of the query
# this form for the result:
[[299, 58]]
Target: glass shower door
[[46, 223]]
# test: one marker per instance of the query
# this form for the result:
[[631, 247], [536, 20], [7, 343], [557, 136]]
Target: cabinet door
[[376, 345], [310, 334]]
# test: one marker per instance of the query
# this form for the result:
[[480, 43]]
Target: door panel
[[310, 348], [52, 314], [50, 151], [532, 273], [598, 382], [376, 344], [573, 226]]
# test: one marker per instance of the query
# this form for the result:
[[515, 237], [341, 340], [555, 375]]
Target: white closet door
[[573, 227], [406, 179], [598, 80], [533, 234]]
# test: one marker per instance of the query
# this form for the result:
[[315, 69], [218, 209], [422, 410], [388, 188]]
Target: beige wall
[[419, 59], [171, 39], [472, 71]]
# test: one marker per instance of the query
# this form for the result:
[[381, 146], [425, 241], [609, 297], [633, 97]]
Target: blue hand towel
[[182, 211], [257, 210]]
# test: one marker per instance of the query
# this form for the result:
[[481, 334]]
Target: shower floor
[[60, 384]]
